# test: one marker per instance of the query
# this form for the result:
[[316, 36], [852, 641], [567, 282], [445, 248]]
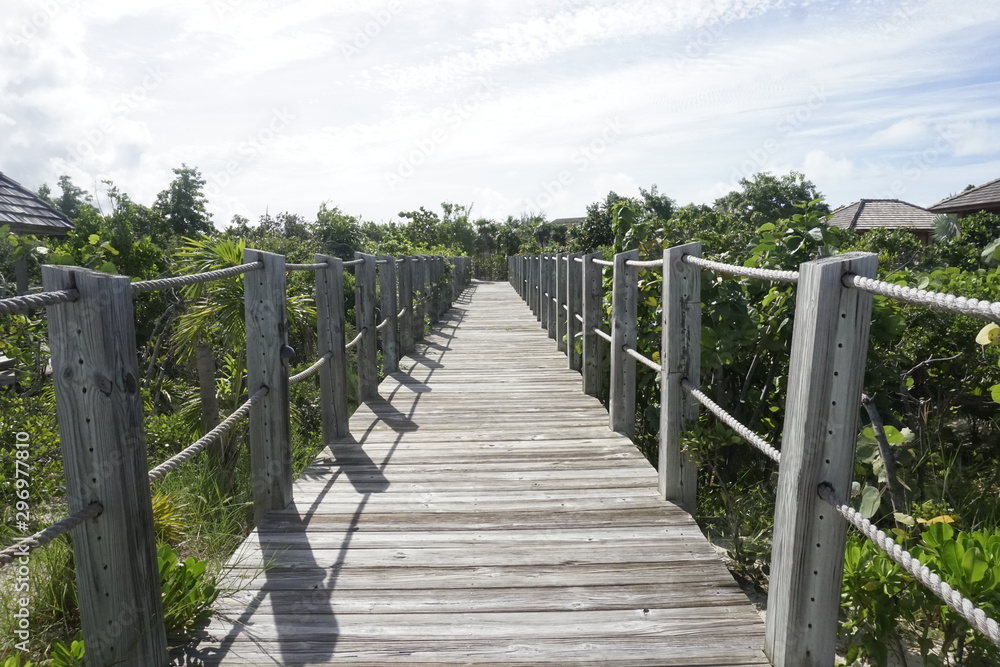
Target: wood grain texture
[[270, 432], [593, 318], [330, 337], [825, 380], [624, 311], [483, 513], [99, 408], [680, 354], [364, 317], [574, 303], [406, 301], [562, 300], [390, 311]]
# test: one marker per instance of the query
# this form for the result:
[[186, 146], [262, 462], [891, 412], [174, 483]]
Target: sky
[[510, 106]]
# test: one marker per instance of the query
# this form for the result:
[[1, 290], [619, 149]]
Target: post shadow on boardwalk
[[293, 600]]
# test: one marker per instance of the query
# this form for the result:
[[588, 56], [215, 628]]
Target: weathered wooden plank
[[624, 311], [406, 340], [680, 355], [593, 318], [825, 379], [364, 315], [483, 506], [330, 340], [267, 338], [389, 335], [99, 408]]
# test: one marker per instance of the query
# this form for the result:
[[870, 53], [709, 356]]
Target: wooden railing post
[[544, 293], [331, 339], [680, 356], [562, 302], [364, 312], [435, 275], [553, 263], [624, 313], [99, 410], [574, 300], [536, 286], [593, 318], [825, 380], [267, 336], [419, 293], [406, 302], [390, 312]]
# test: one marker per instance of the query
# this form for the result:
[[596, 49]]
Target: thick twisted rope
[[46, 535], [578, 317], [181, 281], [355, 262], [643, 360], [745, 271], [648, 264], [923, 574], [312, 370], [306, 267], [171, 464], [986, 310], [603, 262], [382, 325], [732, 422], [28, 302], [601, 334], [356, 340], [401, 313]]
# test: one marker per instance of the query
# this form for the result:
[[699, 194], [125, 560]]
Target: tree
[[70, 201], [182, 204], [766, 198], [423, 228], [598, 229]]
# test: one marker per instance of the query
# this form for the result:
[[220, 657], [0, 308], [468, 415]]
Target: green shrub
[[188, 593]]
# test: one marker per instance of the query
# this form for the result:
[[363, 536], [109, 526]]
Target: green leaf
[[93, 239], [995, 393], [870, 501]]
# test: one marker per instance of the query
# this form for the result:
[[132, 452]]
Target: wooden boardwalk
[[482, 513]]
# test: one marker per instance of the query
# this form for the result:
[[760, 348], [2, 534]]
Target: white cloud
[[901, 133]]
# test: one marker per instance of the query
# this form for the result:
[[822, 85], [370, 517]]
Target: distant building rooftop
[[869, 214], [568, 221], [984, 198], [26, 213]]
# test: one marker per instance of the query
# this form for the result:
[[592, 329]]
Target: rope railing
[[354, 262], [643, 360], [744, 271], [356, 340], [46, 535], [306, 267], [603, 262], [645, 264], [579, 317], [601, 334], [923, 574], [29, 302], [171, 464], [979, 308], [312, 370], [730, 421], [578, 259], [180, 281], [401, 313], [382, 325]]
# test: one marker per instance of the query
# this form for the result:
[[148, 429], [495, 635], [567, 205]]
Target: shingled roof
[[892, 213], [984, 198], [25, 213]]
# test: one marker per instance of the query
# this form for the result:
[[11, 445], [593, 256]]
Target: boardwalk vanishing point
[[481, 513]]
